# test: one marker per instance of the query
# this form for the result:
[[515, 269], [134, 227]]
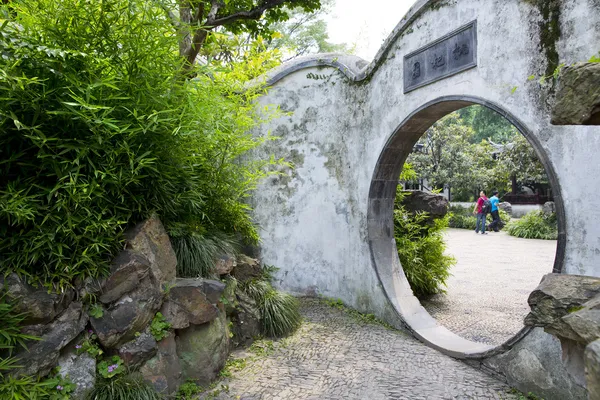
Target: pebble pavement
[[335, 357]]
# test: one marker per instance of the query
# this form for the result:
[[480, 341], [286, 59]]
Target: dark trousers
[[496, 220]]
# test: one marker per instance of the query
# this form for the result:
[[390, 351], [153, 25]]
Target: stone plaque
[[449, 55]]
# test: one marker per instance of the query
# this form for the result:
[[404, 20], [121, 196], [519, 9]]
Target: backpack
[[486, 208]]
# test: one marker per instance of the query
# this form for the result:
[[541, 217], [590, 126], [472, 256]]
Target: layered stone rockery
[[568, 307], [169, 329]]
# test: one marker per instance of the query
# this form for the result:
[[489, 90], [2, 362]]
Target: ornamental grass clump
[[280, 314], [124, 387], [535, 225]]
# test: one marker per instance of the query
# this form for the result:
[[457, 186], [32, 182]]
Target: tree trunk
[[514, 184]]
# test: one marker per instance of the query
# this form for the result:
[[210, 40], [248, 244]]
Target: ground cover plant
[[98, 130], [535, 225], [421, 249]]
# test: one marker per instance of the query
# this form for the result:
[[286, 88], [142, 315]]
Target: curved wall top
[[316, 219]]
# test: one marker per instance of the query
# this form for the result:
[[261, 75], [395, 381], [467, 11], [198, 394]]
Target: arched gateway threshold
[[381, 225]]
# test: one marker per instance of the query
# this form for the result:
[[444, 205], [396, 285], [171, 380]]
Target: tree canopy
[[475, 148]]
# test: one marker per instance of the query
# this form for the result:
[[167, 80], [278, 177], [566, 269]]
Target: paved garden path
[[334, 356], [486, 299]]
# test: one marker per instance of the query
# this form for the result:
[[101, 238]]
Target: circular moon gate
[[382, 244]]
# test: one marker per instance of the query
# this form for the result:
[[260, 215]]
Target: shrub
[[279, 311], [421, 250], [535, 225], [98, 130], [125, 387]]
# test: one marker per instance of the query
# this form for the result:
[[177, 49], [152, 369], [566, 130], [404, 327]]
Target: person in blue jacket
[[495, 215]]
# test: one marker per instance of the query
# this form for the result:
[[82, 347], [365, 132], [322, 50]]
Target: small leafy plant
[[159, 327], [89, 345], [96, 311], [111, 367], [188, 391]]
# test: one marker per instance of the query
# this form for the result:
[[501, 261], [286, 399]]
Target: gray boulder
[[585, 322], [418, 201], [127, 271], [203, 350], [139, 350], [130, 314], [592, 369], [163, 371], [245, 319], [43, 355], [549, 208], [150, 239], [224, 265], [558, 296], [246, 268], [505, 206], [192, 301], [79, 369], [40, 306], [578, 95]]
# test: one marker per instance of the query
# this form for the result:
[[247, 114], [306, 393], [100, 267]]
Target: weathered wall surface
[[314, 218]]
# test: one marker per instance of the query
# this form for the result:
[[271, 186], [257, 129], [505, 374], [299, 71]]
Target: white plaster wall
[[316, 230], [313, 218]]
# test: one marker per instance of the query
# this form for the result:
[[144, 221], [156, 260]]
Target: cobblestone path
[[334, 356], [486, 299]]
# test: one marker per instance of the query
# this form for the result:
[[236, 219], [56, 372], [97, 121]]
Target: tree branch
[[255, 13]]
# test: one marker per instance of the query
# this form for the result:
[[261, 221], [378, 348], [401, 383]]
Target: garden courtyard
[[486, 298]]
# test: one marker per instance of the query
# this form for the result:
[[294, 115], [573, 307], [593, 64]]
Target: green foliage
[[421, 249], [535, 225], [232, 365], [89, 345], [487, 124], [11, 339], [96, 311], [595, 58], [30, 388], [279, 311], [303, 33], [159, 327], [188, 391], [359, 317], [124, 387], [262, 347], [98, 131], [476, 148], [196, 253], [111, 367]]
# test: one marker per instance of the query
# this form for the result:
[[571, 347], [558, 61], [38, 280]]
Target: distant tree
[[304, 33], [487, 124], [519, 164], [448, 157]]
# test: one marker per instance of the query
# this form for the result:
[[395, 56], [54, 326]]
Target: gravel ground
[[486, 298]]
